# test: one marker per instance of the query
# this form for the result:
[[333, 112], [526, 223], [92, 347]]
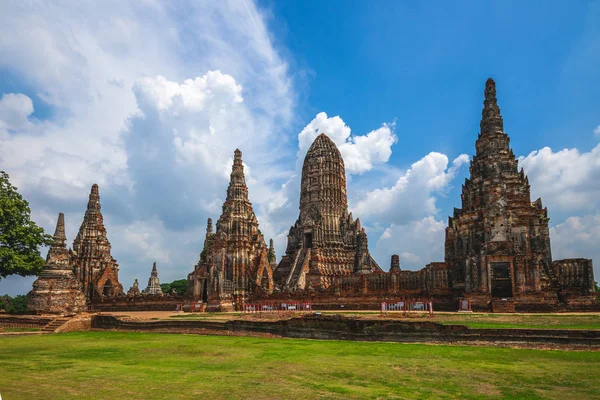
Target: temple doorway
[[501, 280], [204, 296], [108, 289], [308, 240]]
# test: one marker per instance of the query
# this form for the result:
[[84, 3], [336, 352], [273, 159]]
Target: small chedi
[[153, 283], [134, 290], [234, 263], [56, 291], [325, 242], [93, 264]]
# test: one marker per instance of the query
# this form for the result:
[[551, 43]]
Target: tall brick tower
[[94, 266], [498, 243], [234, 262], [325, 242]]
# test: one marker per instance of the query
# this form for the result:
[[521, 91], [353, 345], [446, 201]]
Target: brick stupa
[[57, 291]]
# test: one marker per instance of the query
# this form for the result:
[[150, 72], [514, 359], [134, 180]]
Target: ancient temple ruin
[[235, 260], [56, 291], [93, 264], [325, 242], [153, 283], [134, 290], [498, 243], [497, 250]]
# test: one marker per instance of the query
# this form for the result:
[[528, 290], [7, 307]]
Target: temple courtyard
[[109, 364]]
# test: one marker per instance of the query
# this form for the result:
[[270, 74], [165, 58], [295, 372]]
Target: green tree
[[180, 286], [14, 305], [20, 237]]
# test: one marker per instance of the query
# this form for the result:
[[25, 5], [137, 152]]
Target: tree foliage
[[20, 237], [14, 305], [180, 287]]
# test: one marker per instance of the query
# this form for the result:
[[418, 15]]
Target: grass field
[[475, 320], [118, 365]]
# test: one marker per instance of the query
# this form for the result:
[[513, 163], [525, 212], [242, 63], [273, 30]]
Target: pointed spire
[[491, 120], [395, 263], [59, 234], [209, 228], [94, 200], [154, 271], [237, 185], [237, 157]]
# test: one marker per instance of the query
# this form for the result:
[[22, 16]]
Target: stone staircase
[[53, 325], [303, 262], [289, 281]]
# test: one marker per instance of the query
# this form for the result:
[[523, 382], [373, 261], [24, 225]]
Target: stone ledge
[[344, 328]]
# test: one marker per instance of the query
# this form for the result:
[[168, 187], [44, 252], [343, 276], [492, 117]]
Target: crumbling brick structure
[[93, 264], [326, 242], [56, 291], [498, 243], [497, 250], [235, 260], [153, 287]]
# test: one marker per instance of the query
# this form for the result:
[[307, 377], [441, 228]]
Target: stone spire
[[326, 242], [234, 261], [153, 283], [395, 263], [56, 291], [209, 228], [497, 218], [492, 139], [491, 120], [93, 223], [94, 266], [59, 234], [237, 189], [58, 245], [323, 179], [271, 254]]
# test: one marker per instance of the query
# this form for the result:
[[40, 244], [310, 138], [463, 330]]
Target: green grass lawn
[[19, 329], [105, 365], [536, 321]]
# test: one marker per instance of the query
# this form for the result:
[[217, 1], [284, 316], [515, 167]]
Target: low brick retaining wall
[[344, 328], [167, 303], [23, 321]]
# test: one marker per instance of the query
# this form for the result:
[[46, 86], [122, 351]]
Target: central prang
[[325, 242]]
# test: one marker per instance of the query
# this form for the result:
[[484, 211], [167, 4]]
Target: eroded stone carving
[[325, 242], [235, 260], [94, 266]]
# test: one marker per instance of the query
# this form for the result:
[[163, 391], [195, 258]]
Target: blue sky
[[150, 100]]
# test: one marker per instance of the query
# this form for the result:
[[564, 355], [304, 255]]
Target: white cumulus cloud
[[413, 195], [566, 179], [577, 237], [360, 152], [418, 243], [15, 109]]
